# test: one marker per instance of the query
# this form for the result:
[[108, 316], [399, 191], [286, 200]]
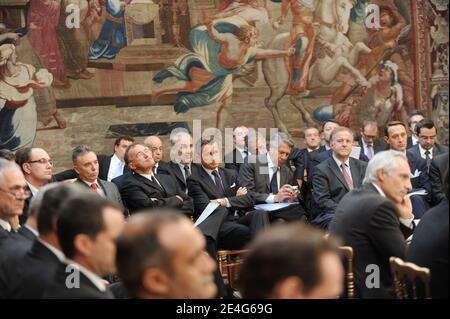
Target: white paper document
[[274, 206], [422, 192], [208, 211], [356, 150]]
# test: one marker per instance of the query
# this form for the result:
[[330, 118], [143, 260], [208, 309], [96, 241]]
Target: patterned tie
[[187, 171], [428, 158], [347, 178], [369, 152], [274, 181], [94, 186], [219, 187]]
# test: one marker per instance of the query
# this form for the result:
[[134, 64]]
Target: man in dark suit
[[179, 267], [155, 144], [239, 155], [87, 228], [270, 180], [336, 176], [369, 142], [438, 169], [429, 246], [395, 136], [301, 160], [181, 155], [86, 165], [219, 185], [34, 271], [427, 147], [412, 120], [13, 193], [36, 166], [143, 189], [374, 220], [110, 166]]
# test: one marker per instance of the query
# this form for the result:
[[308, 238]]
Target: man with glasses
[[37, 167], [369, 142], [427, 147], [143, 189], [13, 192]]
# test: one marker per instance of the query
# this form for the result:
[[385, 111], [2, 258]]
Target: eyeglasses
[[42, 161], [141, 154], [21, 193]]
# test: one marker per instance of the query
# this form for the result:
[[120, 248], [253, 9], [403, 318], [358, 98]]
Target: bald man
[[156, 145]]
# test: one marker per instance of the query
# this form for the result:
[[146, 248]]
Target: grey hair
[[281, 138], [7, 165], [383, 160], [339, 130], [176, 134], [80, 150]]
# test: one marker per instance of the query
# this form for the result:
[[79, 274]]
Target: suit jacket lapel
[[225, 184], [337, 171], [354, 169], [177, 171], [208, 180]]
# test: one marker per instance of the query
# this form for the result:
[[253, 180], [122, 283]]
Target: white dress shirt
[[422, 152], [5, 225], [152, 178], [347, 166], [115, 168], [95, 279], [407, 222], [243, 152], [32, 188], [99, 189], [271, 198], [183, 171], [414, 140]]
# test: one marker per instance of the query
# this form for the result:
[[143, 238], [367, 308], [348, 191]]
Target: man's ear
[[131, 166], [289, 288], [386, 139], [75, 168], [26, 168], [155, 281], [83, 244]]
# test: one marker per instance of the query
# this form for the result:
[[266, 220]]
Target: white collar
[[34, 190], [379, 189], [58, 253], [89, 183], [327, 147], [5, 225], [270, 164], [95, 279], [210, 171], [115, 160], [422, 151], [150, 176], [365, 145], [338, 162], [31, 229], [183, 165], [242, 151], [414, 140], [311, 150]]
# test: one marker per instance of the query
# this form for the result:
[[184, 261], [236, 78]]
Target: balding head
[[155, 144]]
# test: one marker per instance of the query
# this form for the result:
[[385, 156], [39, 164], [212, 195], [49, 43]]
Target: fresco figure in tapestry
[[112, 38], [249, 10], [204, 76], [43, 17], [44, 97], [17, 105], [333, 52], [303, 37], [73, 42]]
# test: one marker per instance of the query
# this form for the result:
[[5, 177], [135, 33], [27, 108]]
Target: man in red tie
[[336, 176], [85, 163]]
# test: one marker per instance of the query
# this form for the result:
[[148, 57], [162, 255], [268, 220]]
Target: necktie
[[94, 186], [369, 152], [347, 178], [428, 158], [187, 171], [245, 155], [219, 187], [274, 181]]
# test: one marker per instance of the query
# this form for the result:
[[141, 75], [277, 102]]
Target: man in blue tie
[[369, 142]]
